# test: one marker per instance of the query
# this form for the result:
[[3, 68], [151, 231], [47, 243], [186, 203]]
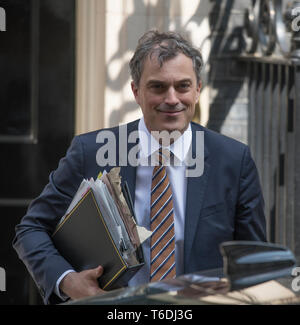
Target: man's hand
[[82, 284]]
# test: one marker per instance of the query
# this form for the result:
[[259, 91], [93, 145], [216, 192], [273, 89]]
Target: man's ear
[[199, 89], [134, 89]]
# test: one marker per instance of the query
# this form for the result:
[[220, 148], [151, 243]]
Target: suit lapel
[[128, 172], [194, 199]]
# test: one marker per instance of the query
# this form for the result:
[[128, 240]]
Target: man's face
[[167, 95]]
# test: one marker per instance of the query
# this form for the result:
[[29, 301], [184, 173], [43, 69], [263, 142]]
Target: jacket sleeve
[[250, 221], [33, 235]]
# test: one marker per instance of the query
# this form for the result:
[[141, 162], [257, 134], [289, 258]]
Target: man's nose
[[171, 97]]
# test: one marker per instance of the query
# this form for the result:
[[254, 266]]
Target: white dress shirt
[[178, 182]]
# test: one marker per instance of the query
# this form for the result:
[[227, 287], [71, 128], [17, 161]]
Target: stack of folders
[[99, 228]]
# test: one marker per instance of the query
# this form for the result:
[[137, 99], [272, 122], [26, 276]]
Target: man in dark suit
[[223, 202]]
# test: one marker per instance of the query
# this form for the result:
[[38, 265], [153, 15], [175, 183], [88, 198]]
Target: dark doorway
[[37, 55]]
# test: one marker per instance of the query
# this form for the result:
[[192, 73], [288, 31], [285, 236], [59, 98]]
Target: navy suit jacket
[[223, 204]]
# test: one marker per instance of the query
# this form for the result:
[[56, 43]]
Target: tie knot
[[163, 156]]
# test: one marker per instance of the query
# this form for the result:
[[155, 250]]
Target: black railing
[[273, 61]]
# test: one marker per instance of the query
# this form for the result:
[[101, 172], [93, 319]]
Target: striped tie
[[162, 225]]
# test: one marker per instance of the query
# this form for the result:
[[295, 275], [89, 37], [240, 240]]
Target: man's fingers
[[94, 273], [99, 271]]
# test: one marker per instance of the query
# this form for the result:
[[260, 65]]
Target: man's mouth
[[171, 113], [166, 109]]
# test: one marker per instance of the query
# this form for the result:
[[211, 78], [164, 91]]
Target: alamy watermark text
[[2, 20], [2, 279], [109, 151]]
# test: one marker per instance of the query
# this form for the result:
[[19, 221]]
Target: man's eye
[[157, 86], [184, 85]]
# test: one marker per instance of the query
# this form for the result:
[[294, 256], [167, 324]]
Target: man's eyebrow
[[185, 80], [154, 81]]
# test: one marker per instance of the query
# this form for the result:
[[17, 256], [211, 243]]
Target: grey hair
[[166, 46]]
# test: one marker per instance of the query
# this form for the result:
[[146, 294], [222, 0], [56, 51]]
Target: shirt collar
[[149, 145]]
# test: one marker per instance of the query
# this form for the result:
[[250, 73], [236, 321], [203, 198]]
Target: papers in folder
[[99, 228]]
